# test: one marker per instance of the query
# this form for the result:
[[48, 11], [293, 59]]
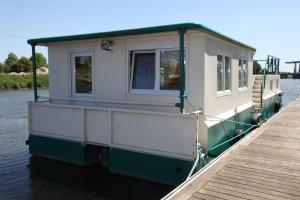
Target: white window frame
[[156, 89], [73, 79], [224, 92], [244, 87]]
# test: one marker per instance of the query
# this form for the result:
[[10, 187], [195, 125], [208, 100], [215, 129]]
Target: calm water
[[291, 90], [25, 177]]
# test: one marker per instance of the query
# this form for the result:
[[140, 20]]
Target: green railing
[[271, 67]]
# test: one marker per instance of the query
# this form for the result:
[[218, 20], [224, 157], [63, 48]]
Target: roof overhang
[[138, 31]]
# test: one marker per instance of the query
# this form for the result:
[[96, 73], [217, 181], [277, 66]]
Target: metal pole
[[34, 82], [182, 69]]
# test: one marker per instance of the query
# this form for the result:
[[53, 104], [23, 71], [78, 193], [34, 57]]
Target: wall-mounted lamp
[[106, 45]]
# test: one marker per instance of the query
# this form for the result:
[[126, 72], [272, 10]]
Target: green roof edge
[[139, 31]]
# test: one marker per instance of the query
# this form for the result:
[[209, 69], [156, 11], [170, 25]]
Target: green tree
[[40, 60], [11, 61], [2, 68], [256, 67], [24, 64]]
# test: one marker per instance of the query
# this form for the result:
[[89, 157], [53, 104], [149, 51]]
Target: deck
[[264, 165]]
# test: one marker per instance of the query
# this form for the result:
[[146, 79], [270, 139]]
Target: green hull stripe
[[63, 150], [151, 167], [225, 130], [268, 107]]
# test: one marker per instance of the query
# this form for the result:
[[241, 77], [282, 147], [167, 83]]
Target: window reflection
[[169, 70], [83, 74]]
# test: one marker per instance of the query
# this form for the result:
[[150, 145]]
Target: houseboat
[[151, 103]]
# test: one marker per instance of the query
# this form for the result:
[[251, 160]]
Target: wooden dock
[[264, 165]]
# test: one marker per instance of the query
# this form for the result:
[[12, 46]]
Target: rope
[[228, 120], [230, 139], [193, 108], [218, 118]]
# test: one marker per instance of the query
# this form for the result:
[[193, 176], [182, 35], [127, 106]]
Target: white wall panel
[[98, 126], [155, 133]]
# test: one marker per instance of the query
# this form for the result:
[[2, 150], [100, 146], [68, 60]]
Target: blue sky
[[271, 26]]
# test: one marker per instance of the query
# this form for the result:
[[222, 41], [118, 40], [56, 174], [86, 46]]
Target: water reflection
[[29, 177]]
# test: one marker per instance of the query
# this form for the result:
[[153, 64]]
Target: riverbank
[[9, 82]]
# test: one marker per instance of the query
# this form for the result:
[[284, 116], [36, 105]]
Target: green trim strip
[[182, 68], [139, 31], [34, 81]]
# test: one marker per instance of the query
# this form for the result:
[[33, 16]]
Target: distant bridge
[[296, 74]]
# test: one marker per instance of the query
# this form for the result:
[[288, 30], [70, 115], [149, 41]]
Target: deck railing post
[[182, 69], [34, 81]]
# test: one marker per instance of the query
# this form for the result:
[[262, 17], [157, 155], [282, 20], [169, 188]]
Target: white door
[[82, 75]]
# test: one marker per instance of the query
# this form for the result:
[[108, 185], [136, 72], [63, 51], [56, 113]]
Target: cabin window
[[220, 73], [82, 73], [169, 70], [227, 73], [277, 84], [223, 73], [155, 70], [243, 73], [143, 70]]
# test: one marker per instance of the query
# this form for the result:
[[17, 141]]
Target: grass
[[9, 82]]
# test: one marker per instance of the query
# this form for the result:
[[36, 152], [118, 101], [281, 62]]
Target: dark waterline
[[25, 177]]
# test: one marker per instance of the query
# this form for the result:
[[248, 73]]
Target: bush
[[8, 81]]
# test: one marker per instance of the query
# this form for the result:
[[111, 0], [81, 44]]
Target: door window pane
[[227, 73], [245, 73], [83, 74], [169, 70], [220, 73], [143, 71], [241, 73]]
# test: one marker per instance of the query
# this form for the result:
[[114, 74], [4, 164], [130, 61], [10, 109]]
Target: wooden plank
[[257, 188], [280, 165], [263, 171], [260, 177], [208, 196], [269, 150], [272, 154], [234, 191], [216, 195], [292, 164], [267, 168], [260, 184]]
